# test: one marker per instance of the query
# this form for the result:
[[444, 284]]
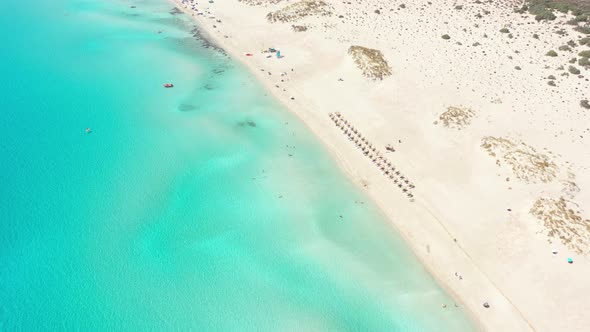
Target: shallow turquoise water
[[204, 207]]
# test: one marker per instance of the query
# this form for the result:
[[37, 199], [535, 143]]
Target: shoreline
[[434, 232], [347, 168]]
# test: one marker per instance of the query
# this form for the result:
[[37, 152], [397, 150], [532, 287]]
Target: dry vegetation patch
[[260, 2], [299, 10], [299, 28], [371, 62], [563, 222], [570, 189], [456, 117], [527, 164]]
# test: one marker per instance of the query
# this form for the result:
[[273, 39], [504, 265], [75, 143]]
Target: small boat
[[248, 54], [88, 130], [168, 85]]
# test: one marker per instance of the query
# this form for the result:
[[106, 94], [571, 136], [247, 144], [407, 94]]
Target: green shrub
[[551, 53], [545, 16], [584, 62], [517, 68], [551, 77], [561, 7], [573, 60], [504, 30], [543, 9], [573, 70], [522, 9], [564, 48], [585, 54], [583, 29], [584, 41], [551, 83], [584, 103], [446, 37], [536, 36]]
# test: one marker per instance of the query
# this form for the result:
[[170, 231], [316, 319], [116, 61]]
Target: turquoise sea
[[205, 207]]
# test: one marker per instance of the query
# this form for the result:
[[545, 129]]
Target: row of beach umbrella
[[370, 151]]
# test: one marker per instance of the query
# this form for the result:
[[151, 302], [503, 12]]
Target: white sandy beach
[[471, 214]]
